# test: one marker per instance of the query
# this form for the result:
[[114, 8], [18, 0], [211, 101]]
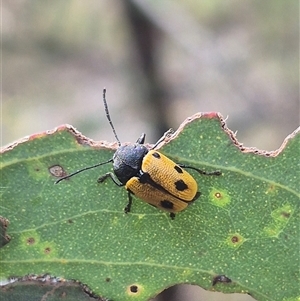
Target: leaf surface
[[245, 225]]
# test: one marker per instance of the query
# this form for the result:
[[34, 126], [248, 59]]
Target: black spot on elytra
[[167, 204], [178, 169], [180, 185], [156, 155]]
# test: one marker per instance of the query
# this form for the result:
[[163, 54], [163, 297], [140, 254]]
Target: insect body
[[149, 175], [162, 183], [221, 279]]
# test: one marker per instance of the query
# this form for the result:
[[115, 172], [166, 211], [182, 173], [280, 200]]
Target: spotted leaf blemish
[[36, 170], [29, 238], [48, 249], [219, 197], [57, 171], [235, 240], [3, 228], [134, 290], [272, 189], [280, 218]]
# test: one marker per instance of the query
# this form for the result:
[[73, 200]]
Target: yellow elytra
[[149, 175], [163, 183]]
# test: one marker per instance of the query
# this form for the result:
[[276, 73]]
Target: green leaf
[[245, 225]]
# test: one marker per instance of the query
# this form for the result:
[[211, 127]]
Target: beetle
[[221, 279], [149, 175]]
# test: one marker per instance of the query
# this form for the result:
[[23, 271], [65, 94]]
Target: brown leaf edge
[[81, 139], [232, 135]]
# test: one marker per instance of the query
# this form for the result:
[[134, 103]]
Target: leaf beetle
[[149, 175]]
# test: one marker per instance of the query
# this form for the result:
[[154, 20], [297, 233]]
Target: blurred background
[[161, 61]]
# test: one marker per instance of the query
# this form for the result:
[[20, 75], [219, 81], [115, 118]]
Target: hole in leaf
[[234, 239], [133, 288], [218, 195]]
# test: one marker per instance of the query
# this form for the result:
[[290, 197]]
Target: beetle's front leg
[[112, 176]]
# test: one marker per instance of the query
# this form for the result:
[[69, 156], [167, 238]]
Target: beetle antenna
[[108, 116], [81, 170]]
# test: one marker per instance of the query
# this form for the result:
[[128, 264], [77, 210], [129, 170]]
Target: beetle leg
[[128, 206], [112, 176], [202, 172]]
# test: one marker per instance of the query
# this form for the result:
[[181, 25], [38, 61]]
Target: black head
[[127, 161]]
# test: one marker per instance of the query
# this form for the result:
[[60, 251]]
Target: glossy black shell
[[127, 161]]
